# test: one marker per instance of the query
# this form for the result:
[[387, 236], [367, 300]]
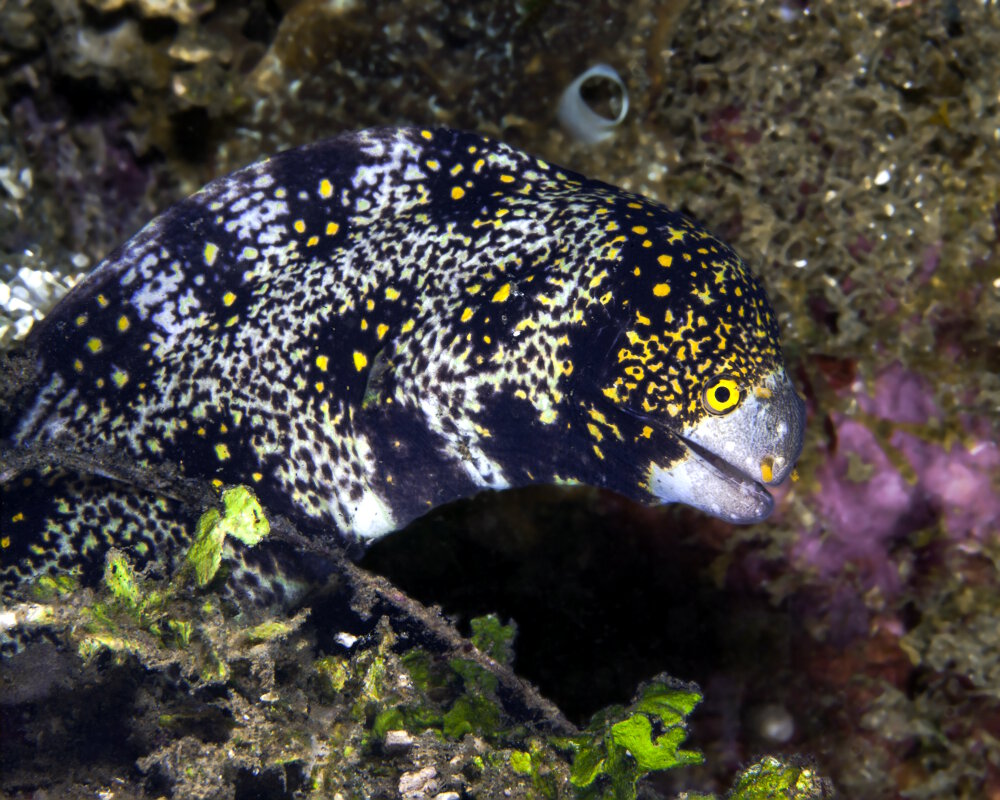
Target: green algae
[[494, 638], [268, 631], [241, 518], [95, 644], [214, 669], [537, 763], [122, 621], [51, 587], [140, 617], [148, 619], [419, 665], [470, 714], [520, 762], [374, 679], [329, 716], [619, 747], [120, 580], [204, 557], [181, 630], [772, 779], [391, 719], [449, 706], [138, 598], [333, 672], [244, 518], [471, 707]]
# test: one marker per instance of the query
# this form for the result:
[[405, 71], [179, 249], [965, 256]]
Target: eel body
[[370, 326]]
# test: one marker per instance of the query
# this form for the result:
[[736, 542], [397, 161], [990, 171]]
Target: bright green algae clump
[[771, 779], [619, 746], [242, 518]]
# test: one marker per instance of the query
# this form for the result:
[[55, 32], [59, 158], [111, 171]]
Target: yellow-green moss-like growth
[[268, 631], [771, 779], [536, 763], [51, 587], [242, 518], [141, 601], [333, 673], [620, 746], [494, 638], [120, 579], [476, 710]]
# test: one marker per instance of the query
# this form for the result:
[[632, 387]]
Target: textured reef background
[[850, 151]]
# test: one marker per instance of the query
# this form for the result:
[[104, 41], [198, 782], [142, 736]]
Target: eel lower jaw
[[707, 481]]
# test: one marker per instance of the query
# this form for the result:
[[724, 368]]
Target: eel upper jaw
[[706, 481]]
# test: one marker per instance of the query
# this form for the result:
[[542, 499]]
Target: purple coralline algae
[[885, 478]]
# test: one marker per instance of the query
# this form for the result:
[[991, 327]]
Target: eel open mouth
[[719, 487], [725, 467]]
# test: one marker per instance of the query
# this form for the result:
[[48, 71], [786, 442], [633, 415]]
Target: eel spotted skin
[[367, 327]]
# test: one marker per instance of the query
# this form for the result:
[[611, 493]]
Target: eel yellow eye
[[721, 395]]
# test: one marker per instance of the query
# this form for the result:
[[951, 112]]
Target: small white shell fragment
[[578, 119], [398, 741]]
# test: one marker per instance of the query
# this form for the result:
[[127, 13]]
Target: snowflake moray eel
[[368, 327]]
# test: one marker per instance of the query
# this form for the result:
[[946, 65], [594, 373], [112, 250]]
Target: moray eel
[[365, 328]]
